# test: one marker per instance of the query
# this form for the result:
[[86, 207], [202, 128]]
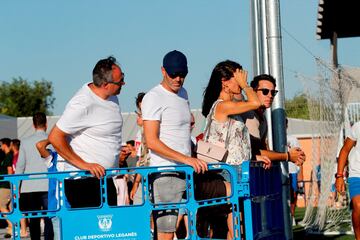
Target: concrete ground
[[3, 230]]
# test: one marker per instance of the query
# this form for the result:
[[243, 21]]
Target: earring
[[226, 89]]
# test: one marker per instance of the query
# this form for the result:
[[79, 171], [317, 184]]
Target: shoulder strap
[[208, 124], [209, 120]]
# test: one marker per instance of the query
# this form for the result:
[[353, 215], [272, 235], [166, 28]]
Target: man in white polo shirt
[[88, 134], [166, 116]]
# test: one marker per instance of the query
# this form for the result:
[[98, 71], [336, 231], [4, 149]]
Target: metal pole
[[255, 39], [265, 66], [278, 111], [260, 50]]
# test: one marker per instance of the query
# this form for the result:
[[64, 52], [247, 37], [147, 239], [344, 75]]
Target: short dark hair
[[6, 141], [16, 143], [131, 142], [102, 71], [39, 120], [255, 82], [139, 99]]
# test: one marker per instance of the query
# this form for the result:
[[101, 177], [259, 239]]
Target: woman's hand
[[241, 78], [265, 160]]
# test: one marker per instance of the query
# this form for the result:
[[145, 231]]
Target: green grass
[[299, 232]]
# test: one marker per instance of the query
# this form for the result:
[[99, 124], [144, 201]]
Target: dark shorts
[[85, 192], [209, 185]]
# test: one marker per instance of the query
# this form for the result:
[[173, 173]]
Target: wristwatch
[[339, 175]]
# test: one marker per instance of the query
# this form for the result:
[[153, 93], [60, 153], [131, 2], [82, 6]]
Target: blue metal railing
[[255, 192]]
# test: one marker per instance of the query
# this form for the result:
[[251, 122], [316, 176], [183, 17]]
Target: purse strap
[[208, 124]]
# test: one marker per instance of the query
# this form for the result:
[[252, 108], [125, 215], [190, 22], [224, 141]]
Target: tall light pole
[[267, 58]]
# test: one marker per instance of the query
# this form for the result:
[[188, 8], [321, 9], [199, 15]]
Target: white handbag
[[210, 152]]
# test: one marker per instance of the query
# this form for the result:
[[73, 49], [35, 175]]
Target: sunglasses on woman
[[266, 91]]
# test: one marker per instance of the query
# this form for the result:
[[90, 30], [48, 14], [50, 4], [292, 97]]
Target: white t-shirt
[[354, 155], [94, 127], [173, 113], [291, 143], [138, 140]]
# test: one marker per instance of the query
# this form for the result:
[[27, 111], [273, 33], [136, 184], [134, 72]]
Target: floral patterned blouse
[[239, 148]]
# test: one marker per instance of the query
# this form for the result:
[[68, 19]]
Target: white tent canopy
[[8, 127], [23, 127]]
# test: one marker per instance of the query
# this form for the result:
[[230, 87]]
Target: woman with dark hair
[[222, 108]]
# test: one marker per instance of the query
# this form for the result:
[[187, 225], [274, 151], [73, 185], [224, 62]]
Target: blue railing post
[[251, 182]]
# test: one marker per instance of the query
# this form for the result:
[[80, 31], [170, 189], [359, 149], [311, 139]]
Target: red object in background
[[199, 137]]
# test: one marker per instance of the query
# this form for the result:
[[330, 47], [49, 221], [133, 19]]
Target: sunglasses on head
[[266, 91], [179, 74]]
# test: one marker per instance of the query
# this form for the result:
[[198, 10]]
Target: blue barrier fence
[[255, 199]]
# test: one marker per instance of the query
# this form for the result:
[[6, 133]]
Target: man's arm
[[343, 156], [58, 139], [45, 154], [297, 156], [41, 147], [151, 130]]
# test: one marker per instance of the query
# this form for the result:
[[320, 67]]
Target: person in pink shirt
[[15, 146]]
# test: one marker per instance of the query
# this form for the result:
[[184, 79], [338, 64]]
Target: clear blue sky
[[61, 41]]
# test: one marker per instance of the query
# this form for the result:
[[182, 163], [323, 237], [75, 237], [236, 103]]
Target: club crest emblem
[[105, 222]]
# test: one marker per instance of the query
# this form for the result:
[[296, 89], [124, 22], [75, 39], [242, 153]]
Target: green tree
[[297, 107], [20, 98]]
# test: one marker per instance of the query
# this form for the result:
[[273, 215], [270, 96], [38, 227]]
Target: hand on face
[[125, 150], [241, 77]]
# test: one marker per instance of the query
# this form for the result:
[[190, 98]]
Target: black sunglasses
[[178, 74], [266, 91], [120, 83]]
